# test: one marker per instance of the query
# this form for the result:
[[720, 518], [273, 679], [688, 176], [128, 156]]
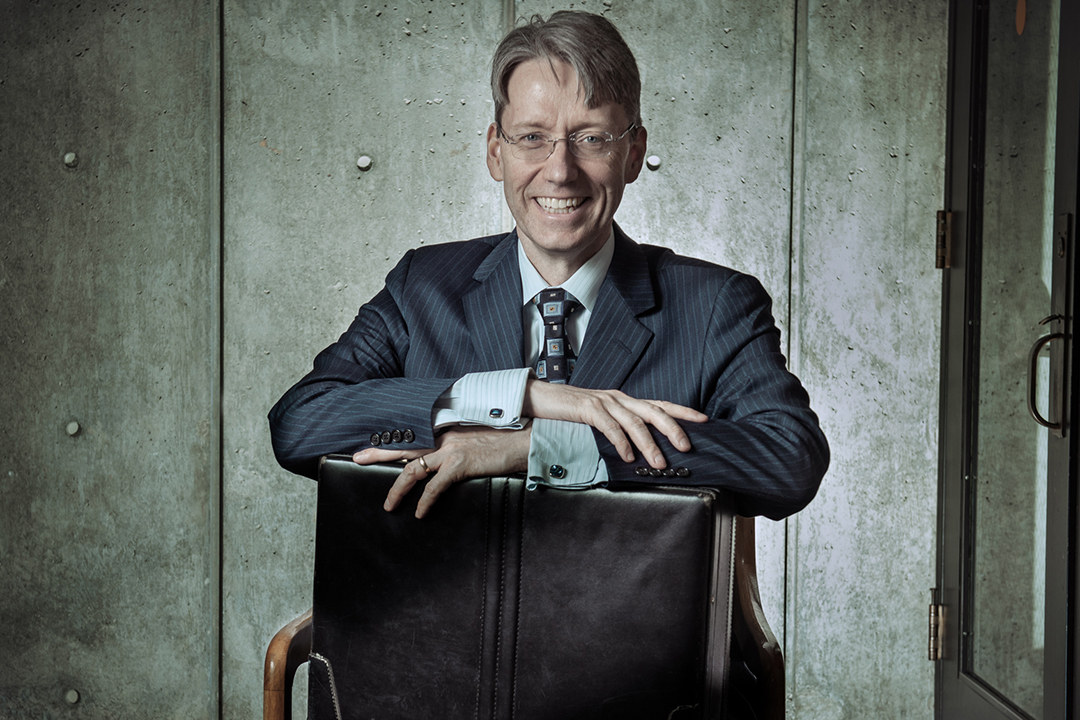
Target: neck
[[557, 268]]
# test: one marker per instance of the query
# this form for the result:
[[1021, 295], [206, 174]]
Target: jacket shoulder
[[671, 268], [451, 262]]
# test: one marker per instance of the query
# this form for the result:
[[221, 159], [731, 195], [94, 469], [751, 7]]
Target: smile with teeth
[[559, 205]]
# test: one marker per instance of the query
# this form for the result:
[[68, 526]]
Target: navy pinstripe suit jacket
[[665, 327]]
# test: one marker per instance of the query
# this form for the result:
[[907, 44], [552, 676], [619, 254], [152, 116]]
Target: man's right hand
[[622, 419], [460, 454]]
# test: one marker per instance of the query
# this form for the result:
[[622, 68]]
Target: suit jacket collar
[[615, 339], [493, 308]]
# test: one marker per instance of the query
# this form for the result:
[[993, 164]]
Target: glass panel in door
[[1007, 538]]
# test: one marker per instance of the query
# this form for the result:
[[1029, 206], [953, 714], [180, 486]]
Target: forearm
[[319, 417], [774, 462]]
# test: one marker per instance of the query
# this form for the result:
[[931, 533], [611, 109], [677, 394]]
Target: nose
[[561, 165]]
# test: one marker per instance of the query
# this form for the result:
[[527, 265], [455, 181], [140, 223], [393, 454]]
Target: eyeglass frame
[[570, 145]]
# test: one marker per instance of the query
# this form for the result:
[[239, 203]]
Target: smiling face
[[563, 205]]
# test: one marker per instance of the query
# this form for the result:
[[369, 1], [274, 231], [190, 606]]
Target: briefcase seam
[[483, 604], [502, 597], [517, 613]]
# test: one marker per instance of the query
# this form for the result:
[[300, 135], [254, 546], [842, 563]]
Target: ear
[[636, 157], [494, 153]]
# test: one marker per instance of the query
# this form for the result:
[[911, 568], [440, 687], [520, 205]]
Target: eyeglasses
[[535, 146]]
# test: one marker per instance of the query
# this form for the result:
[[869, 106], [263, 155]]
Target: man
[[563, 349]]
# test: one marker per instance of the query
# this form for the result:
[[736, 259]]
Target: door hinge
[[944, 240], [937, 625]]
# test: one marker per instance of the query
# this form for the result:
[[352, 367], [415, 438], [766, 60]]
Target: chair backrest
[[506, 602]]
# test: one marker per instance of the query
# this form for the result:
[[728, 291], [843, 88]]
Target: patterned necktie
[[556, 361]]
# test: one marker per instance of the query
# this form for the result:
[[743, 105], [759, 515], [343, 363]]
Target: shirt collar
[[583, 285]]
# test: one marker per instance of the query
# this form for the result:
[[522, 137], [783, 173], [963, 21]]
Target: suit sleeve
[[762, 440], [357, 391]]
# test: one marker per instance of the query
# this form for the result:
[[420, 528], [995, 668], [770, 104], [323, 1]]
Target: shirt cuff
[[564, 454], [491, 398]]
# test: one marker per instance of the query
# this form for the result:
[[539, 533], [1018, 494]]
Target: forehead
[[546, 94]]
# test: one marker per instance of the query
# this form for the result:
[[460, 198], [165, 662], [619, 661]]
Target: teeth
[[559, 205]]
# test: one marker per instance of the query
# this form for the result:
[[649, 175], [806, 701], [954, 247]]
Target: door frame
[[957, 695]]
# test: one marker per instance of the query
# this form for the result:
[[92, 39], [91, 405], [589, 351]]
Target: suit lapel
[[493, 309], [616, 338]]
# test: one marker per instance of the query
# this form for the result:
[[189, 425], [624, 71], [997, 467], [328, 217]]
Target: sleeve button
[[396, 436], [655, 472], [376, 440], [669, 472], [408, 436], [641, 471], [386, 436], [682, 472]]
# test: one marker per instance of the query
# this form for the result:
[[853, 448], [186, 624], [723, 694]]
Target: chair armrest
[[287, 651], [756, 639]]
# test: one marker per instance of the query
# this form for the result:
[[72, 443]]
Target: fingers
[[370, 456], [413, 473], [460, 454], [622, 419], [436, 486], [440, 475]]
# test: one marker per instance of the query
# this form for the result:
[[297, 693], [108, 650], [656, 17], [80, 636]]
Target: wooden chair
[[757, 646]]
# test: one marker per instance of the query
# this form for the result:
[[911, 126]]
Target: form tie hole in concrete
[[72, 696]]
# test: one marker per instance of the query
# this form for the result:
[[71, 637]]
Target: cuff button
[[682, 472], [396, 436], [376, 441], [669, 472], [386, 437], [408, 436], [655, 472], [641, 471], [557, 471]]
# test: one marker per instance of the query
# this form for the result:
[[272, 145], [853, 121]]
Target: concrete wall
[[800, 143], [109, 349], [865, 306]]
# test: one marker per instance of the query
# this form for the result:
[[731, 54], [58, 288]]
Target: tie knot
[[555, 304]]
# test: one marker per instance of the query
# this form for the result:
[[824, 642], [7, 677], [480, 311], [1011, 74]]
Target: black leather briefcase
[[512, 603]]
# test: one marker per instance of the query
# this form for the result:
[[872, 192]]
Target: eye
[[590, 139], [531, 138]]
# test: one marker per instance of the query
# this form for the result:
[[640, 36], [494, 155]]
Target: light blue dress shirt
[[561, 453]]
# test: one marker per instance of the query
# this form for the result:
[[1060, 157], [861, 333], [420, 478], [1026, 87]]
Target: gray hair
[[591, 44]]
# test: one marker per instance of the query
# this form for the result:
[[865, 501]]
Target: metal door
[[1004, 551]]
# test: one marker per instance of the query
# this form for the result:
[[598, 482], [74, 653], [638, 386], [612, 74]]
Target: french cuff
[[564, 454], [493, 399]]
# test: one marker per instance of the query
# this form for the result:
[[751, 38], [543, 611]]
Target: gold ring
[[423, 464]]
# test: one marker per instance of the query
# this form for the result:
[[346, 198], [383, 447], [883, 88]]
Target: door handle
[[1033, 363]]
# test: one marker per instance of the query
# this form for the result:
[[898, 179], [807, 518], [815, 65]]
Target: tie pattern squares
[[557, 359]]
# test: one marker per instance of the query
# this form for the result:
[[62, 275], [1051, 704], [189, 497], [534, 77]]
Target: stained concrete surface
[[106, 434], [866, 305]]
